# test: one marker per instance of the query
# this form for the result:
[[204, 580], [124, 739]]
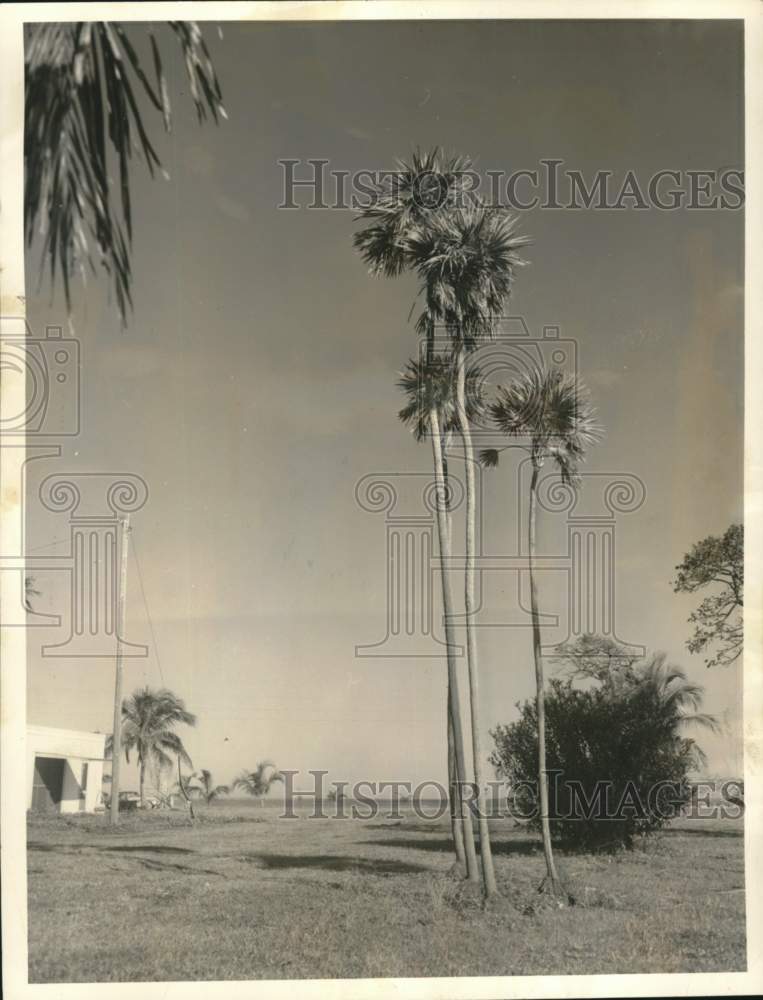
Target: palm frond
[[489, 457], [82, 124], [431, 384], [552, 412]]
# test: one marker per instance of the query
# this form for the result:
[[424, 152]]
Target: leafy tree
[[595, 657], [718, 621], [616, 750], [551, 415], [148, 728], [85, 83], [259, 782]]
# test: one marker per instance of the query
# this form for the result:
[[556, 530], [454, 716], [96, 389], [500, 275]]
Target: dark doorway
[[48, 784]]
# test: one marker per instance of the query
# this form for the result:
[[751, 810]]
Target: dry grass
[[257, 897]]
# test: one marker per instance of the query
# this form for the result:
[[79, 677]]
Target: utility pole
[[116, 740]]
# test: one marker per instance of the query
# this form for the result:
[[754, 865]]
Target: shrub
[[618, 764]]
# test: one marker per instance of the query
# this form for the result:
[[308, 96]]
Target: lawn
[[252, 896]]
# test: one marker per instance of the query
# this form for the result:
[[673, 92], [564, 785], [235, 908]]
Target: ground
[[248, 895]]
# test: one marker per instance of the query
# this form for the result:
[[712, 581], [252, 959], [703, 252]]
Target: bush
[[618, 765]]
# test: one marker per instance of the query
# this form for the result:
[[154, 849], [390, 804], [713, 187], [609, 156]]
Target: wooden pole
[[116, 741]]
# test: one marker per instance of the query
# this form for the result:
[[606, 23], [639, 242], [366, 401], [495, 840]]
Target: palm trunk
[[142, 783], [552, 877], [456, 823], [454, 703], [488, 873]]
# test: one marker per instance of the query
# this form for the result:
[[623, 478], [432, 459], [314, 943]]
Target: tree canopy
[[716, 562]]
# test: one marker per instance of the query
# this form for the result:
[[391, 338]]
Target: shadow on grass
[[685, 832], [119, 848], [445, 845], [335, 863]]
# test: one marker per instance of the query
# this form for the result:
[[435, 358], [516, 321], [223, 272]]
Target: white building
[[64, 769]]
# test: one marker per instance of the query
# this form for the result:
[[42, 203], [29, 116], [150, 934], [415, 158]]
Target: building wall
[[76, 748]]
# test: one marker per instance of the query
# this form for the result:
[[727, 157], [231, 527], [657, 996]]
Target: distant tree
[[30, 592], [205, 789], [718, 621], [82, 123], [258, 782], [148, 721], [625, 732], [595, 657]]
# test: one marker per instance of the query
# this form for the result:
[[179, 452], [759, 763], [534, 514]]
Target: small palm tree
[[676, 693], [259, 782], [551, 414], [148, 721], [206, 788], [85, 85]]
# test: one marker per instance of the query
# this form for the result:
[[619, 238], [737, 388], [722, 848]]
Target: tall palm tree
[[148, 722], [259, 782], [430, 411], [84, 85], [551, 414], [466, 258], [402, 203]]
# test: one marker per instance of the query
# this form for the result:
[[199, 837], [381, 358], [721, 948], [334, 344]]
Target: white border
[[12, 678]]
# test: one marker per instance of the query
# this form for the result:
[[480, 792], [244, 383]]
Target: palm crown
[[552, 411], [430, 384], [258, 782], [465, 258], [149, 718], [408, 197]]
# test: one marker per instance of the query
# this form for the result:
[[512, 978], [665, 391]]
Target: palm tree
[[258, 782], [676, 693], [430, 409], [148, 721], [402, 203], [83, 83], [466, 259], [552, 414], [206, 789]]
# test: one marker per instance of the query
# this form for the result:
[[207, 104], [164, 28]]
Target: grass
[[258, 897]]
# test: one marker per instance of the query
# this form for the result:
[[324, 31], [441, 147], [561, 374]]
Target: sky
[[254, 386]]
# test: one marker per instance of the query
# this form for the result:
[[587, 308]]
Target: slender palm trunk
[[454, 703], [552, 877], [142, 782], [456, 824], [488, 873]]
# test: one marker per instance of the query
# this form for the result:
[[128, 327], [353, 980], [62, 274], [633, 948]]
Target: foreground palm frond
[[82, 123]]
